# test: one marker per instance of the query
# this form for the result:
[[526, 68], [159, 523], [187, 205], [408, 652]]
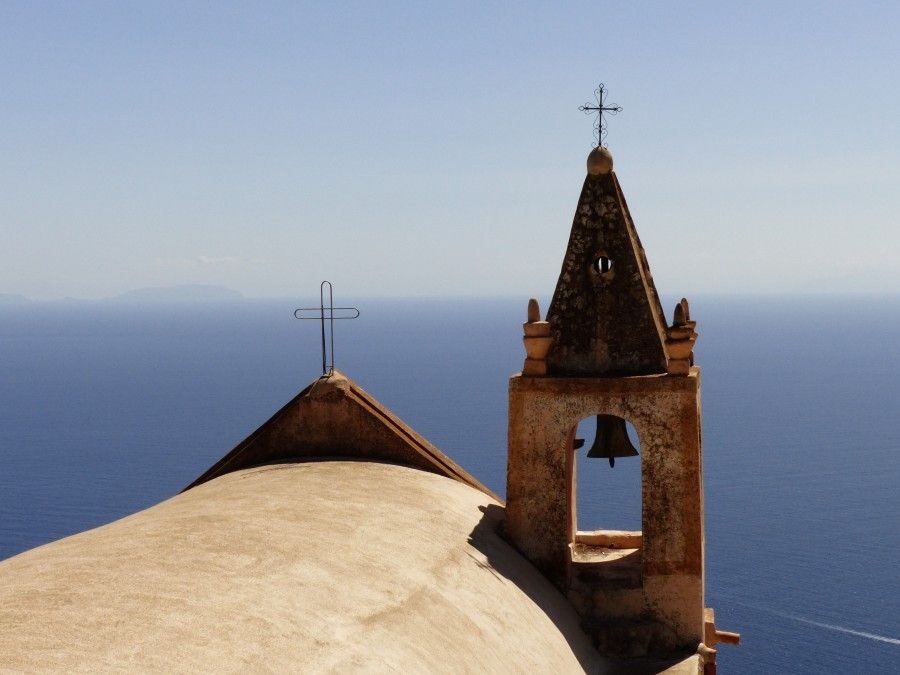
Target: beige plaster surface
[[541, 519], [327, 566]]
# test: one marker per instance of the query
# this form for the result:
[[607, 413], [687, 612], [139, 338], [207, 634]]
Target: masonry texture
[[605, 322], [668, 589], [612, 354]]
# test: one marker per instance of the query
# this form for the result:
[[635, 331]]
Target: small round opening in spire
[[602, 266], [599, 162]]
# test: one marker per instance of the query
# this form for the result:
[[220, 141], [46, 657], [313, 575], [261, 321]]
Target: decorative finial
[[537, 341], [534, 310], [599, 162], [682, 313], [599, 109], [680, 339]]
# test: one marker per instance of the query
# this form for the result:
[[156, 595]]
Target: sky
[[424, 148]]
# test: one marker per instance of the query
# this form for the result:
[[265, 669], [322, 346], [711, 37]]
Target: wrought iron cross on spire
[[599, 109], [327, 315]]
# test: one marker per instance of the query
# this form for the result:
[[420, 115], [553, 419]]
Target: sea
[[109, 407]]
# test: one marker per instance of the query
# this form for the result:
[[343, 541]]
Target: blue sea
[[107, 408]]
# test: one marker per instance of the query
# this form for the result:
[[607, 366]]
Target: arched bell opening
[[605, 495]]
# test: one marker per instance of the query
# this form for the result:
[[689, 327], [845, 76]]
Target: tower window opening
[[606, 488]]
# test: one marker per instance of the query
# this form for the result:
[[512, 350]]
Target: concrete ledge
[[633, 385], [609, 538]]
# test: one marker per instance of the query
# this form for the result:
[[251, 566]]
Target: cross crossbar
[[352, 313]]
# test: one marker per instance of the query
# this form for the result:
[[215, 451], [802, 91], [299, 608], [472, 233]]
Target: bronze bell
[[612, 440]]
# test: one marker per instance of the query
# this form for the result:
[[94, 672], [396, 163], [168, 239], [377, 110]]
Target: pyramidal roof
[[605, 314], [335, 417]]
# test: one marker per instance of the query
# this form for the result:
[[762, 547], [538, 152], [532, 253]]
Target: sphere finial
[[599, 162]]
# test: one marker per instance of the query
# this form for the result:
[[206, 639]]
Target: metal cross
[[327, 314], [599, 109]]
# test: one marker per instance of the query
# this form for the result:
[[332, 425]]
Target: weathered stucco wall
[[665, 412]]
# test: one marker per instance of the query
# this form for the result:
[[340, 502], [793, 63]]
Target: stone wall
[[650, 600]]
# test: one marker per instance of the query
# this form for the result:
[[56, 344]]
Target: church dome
[[324, 566], [334, 538]]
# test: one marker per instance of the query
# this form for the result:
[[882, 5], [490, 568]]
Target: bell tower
[[605, 350]]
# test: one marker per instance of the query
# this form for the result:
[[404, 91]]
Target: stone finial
[[682, 313], [680, 339], [534, 311], [537, 341], [599, 162]]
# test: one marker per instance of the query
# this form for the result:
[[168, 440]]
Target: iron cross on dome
[[599, 109], [327, 315]]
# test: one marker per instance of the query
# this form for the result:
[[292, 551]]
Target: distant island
[[179, 293], [182, 293], [13, 299]]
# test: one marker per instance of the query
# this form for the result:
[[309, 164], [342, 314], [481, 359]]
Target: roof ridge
[[335, 417]]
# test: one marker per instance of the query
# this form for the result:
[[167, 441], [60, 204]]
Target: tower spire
[[605, 313]]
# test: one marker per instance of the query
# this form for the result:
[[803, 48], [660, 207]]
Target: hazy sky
[[431, 148]]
